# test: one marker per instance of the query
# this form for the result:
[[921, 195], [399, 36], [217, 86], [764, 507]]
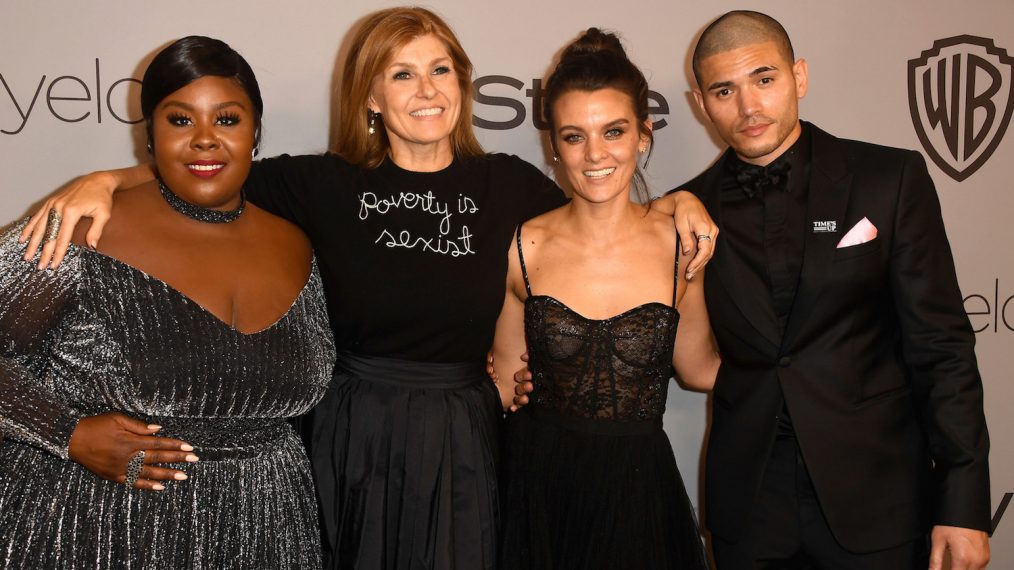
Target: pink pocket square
[[862, 232]]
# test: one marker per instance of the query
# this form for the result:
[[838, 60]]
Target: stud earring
[[556, 158]]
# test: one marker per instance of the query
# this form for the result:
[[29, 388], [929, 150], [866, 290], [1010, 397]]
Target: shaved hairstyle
[[736, 29]]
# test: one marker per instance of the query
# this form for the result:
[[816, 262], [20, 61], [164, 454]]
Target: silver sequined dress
[[98, 335]]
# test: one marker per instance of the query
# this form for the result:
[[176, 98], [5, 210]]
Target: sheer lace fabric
[[615, 369]]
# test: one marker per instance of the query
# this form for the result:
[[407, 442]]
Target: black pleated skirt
[[404, 459], [594, 494]]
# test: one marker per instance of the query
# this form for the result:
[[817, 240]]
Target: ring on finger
[[703, 237], [134, 467], [53, 221]]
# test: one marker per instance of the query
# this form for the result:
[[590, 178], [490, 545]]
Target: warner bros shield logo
[[961, 95]]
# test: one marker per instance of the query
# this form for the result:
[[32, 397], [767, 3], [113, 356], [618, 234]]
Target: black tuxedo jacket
[[876, 362]]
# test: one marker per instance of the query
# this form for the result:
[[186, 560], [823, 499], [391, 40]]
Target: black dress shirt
[[765, 232]]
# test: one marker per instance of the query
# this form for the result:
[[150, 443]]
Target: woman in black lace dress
[[591, 481]]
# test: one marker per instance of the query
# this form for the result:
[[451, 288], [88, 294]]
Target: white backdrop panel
[[63, 103]]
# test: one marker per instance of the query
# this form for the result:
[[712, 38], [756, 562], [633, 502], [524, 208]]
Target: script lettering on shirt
[[444, 242], [454, 247]]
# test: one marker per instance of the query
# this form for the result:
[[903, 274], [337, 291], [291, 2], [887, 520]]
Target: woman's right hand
[[86, 196], [104, 444]]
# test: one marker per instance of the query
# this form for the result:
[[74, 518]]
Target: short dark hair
[[189, 59], [594, 61], [736, 29]]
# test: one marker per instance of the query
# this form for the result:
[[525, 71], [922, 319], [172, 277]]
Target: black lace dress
[[591, 481]]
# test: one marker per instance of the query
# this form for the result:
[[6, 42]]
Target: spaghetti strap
[[521, 257], [676, 272]]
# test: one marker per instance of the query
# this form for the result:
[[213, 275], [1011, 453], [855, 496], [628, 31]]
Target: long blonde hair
[[374, 45]]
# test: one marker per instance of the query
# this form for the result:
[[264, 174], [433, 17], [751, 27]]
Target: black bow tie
[[756, 180]]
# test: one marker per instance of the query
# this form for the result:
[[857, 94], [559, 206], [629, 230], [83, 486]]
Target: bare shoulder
[[134, 212], [538, 227], [275, 232], [662, 229]]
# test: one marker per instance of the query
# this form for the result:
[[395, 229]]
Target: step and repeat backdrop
[[931, 75]]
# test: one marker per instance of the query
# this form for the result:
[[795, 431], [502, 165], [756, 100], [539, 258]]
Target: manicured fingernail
[[154, 427], [93, 244], [191, 458], [180, 476], [186, 447], [157, 487], [690, 275]]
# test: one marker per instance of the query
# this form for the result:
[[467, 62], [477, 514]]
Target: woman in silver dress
[[145, 386]]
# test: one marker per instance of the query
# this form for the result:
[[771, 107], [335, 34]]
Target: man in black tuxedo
[[847, 418]]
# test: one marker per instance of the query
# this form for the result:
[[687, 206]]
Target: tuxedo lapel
[[830, 188], [753, 302]]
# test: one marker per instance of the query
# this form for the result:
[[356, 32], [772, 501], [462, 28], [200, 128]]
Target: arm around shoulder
[[88, 196], [698, 232]]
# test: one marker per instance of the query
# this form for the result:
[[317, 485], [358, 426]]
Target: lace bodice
[[610, 369]]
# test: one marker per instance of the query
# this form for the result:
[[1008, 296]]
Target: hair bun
[[594, 41]]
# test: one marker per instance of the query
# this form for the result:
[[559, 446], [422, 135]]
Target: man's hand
[[522, 385], [969, 548]]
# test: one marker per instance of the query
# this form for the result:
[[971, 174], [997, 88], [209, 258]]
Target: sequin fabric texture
[[97, 336]]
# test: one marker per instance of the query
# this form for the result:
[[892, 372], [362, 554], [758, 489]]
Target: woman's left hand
[[695, 227]]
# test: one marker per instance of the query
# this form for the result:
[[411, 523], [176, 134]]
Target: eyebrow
[[760, 70], [412, 65], [607, 126], [191, 108]]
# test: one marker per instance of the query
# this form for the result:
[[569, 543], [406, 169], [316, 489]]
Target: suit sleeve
[[32, 303], [938, 347]]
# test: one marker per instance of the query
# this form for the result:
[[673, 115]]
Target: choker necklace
[[199, 213]]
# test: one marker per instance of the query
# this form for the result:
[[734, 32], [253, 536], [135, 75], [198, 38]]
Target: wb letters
[[961, 96]]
